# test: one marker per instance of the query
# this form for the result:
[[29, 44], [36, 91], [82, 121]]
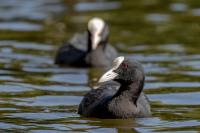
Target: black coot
[[126, 102], [88, 49]]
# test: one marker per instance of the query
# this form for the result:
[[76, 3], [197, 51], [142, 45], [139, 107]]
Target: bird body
[[128, 101], [90, 49], [70, 55], [97, 103]]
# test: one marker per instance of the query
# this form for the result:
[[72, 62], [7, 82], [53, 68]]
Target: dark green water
[[38, 96]]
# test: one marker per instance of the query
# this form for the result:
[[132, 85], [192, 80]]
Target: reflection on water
[[178, 7], [32, 10], [38, 96], [48, 101], [94, 6], [158, 17], [196, 12], [19, 26]]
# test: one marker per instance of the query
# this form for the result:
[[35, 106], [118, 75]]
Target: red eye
[[124, 65]]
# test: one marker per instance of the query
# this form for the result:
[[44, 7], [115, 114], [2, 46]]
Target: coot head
[[97, 33], [124, 71]]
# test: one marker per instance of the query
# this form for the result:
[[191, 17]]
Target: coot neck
[[89, 47], [130, 90], [99, 47]]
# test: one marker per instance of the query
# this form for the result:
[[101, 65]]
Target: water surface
[[38, 96]]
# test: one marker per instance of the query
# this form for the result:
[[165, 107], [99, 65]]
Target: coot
[[88, 49], [128, 101]]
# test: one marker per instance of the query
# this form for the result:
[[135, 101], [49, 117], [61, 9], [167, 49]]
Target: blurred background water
[[38, 96]]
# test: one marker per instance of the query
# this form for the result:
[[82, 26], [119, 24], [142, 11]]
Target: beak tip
[[101, 80]]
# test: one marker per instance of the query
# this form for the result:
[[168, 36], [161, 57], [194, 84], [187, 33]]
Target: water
[[38, 96]]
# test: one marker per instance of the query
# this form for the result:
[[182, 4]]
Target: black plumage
[[126, 102], [90, 49]]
